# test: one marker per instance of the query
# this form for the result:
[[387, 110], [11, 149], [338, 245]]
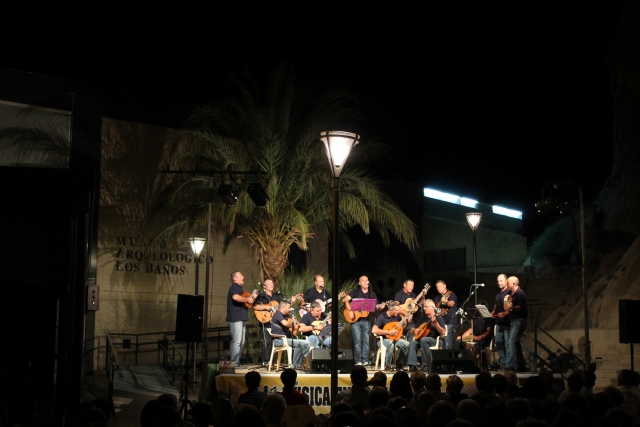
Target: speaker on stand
[[452, 362], [188, 329], [628, 321]]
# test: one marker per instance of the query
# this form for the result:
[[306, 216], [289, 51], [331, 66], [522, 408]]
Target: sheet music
[[483, 311]]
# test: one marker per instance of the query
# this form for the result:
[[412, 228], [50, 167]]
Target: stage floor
[[316, 386]]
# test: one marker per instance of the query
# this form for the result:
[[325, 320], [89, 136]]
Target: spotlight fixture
[[258, 194], [227, 194]]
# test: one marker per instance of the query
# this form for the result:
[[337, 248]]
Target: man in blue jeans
[[503, 325], [282, 323], [361, 328], [518, 317], [237, 315], [391, 315], [447, 300]]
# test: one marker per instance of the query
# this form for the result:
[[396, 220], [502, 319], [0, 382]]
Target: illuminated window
[[506, 212]]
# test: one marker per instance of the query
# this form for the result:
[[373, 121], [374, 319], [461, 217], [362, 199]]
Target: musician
[[436, 329], [264, 303], [318, 292], [518, 318], [447, 300], [237, 315], [404, 294], [361, 328], [307, 328], [281, 322], [502, 321], [478, 337], [391, 315]]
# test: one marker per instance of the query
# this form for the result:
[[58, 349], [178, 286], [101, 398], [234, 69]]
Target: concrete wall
[[494, 248]]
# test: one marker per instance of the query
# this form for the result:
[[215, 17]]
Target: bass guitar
[[353, 316], [250, 295]]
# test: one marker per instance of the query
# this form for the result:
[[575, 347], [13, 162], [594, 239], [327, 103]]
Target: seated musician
[[312, 323], [281, 324], [478, 336], [264, 306], [385, 318], [428, 329]]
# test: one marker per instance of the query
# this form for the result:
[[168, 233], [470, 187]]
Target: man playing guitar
[[265, 305], [361, 328], [281, 322], [426, 331], [404, 294], [312, 323], [391, 315], [237, 315], [317, 293], [447, 301]]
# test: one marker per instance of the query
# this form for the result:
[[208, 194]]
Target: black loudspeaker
[[321, 360], [629, 319], [189, 318], [452, 362]]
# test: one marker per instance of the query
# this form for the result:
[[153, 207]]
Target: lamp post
[[473, 218], [197, 243], [338, 145]]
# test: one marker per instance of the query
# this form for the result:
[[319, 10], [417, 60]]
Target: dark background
[[482, 99]]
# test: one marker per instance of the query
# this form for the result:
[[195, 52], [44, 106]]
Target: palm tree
[[275, 129]]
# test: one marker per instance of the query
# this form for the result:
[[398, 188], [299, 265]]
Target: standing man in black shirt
[[404, 294], [237, 315], [518, 317], [361, 328], [317, 293], [447, 300], [502, 322]]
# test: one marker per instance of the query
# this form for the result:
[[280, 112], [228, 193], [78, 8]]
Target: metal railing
[[556, 363], [111, 366]]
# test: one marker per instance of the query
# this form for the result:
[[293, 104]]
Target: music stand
[[481, 312], [363, 304], [326, 332]]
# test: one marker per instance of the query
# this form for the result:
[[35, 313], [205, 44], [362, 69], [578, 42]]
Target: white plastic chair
[[381, 355], [436, 346], [285, 347]]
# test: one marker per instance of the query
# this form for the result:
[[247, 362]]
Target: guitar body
[[250, 295], [354, 316], [423, 331], [264, 312], [394, 326]]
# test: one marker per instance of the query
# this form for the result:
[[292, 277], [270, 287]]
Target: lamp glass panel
[[197, 243], [474, 219]]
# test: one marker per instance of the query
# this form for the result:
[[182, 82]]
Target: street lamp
[[473, 218], [197, 243], [338, 145]]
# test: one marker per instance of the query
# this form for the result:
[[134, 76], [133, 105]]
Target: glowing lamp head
[[338, 145], [197, 243], [473, 219]]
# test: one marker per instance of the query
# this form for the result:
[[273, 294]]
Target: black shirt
[[519, 299], [383, 318], [500, 307], [402, 296], [480, 326], [357, 293], [312, 294], [277, 327], [433, 333], [263, 298], [308, 319], [236, 311], [450, 317]]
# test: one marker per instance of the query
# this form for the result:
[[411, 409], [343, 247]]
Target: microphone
[[478, 284]]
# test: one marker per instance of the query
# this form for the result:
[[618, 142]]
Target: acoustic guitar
[[411, 304], [424, 329], [250, 295], [353, 316], [264, 312], [441, 311], [398, 326], [322, 323]]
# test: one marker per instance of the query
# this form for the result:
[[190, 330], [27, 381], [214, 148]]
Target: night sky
[[484, 99]]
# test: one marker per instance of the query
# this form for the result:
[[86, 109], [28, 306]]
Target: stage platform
[[316, 385]]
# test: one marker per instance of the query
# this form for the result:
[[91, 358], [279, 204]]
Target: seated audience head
[[359, 375], [418, 381], [378, 379], [469, 410], [406, 416], [589, 379], [378, 397], [201, 414], [615, 395], [400, 385], [288, 378], [346, 419], [625, 377], [273, 408], [171, 400], [396, 403], [248, 415], [519, 409], [222, 412], [535, 388], [434, 383], [252, 380], [454, 384], [441, 413], [484, 383], [574, 382], [500, 383], [424, 400]]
